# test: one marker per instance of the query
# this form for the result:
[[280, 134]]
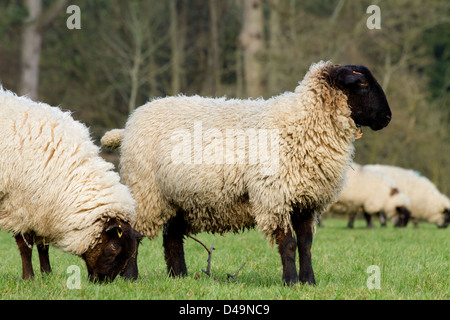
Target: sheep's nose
[[387, 119]]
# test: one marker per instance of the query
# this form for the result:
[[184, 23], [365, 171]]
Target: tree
[[252, 41], [176, 56], [211, 82], [35, 25]]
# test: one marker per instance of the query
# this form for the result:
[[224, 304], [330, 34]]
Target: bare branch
[[233, 276], [208, 268], [45, 20]]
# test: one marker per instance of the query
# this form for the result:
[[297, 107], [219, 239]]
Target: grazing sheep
[[56, 189], [427, 203], [372, 192], [189, 165]]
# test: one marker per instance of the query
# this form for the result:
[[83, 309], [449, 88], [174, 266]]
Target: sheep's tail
[[113, 138]]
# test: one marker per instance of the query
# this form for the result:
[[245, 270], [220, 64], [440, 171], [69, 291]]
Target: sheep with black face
[[427, 202], [56, 189], [312, 131], [373, 193]]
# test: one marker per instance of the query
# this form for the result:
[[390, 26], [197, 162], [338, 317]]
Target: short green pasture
[[380, 263]]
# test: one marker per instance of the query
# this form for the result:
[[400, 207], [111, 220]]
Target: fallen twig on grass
[[233, 276], [208, 268]]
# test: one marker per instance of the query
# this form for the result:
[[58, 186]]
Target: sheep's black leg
[[287, 248], [368, 218], [303, 223], [351, 220], [25, 244], [173, 236], [43, 258], [383, 218]]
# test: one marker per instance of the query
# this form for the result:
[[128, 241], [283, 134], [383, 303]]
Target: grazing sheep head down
[[365, 96], [403, 216], [446, 220], [117, 244], [402, 213]]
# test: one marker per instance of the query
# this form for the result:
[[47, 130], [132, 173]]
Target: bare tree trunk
[[275, 46], [136, 28], [176, 60], [211, 83], [30, 51], [35, 25], [252, 41]]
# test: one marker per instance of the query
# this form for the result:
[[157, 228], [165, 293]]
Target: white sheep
[[373, 193], [56, 189], [201, 164], [427, 203]]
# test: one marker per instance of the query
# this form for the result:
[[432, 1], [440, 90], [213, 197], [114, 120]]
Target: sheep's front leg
[[44, 260], [304, 227], [368, 218], [173, 236], [287, 248], [25, 244], [351, 220], [383, 218]]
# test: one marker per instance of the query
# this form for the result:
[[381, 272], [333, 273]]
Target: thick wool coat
[[53, 183]]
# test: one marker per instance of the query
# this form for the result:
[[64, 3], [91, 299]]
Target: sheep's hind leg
[[303, 223], [44, 260], [287, 248], [25, 244], [173, 236]]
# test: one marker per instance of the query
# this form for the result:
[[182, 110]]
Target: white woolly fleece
[[52, 180], [370, 189], [427, 203], [314, 134]]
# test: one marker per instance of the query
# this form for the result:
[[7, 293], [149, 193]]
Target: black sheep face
[[446, 222], [118, 243], [366, 98], [403, 216]]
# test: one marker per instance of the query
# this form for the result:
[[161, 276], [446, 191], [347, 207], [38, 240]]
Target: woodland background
[[128, 52]]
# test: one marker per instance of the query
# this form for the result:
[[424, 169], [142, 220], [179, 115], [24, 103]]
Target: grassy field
[[413, 264]]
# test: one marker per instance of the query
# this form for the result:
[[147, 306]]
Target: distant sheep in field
[[225, 183], [427, 203], [56, 189], [373, 193]]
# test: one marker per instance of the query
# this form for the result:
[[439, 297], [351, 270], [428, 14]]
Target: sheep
[[427, 203], [372, 192], [224, 184], [56, 189]]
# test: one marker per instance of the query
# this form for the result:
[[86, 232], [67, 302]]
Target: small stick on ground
[[210, 251], [233, 276], [208, 268]]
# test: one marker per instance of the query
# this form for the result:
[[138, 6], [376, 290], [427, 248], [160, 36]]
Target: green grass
[[414, 264]]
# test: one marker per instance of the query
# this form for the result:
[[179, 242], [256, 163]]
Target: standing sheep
[[56, 189], [224, 183], [427, 203], [372, 192]]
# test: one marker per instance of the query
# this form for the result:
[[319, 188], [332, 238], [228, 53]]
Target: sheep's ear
[[114, 228], [346, 76], [394, 191], [138, 235]]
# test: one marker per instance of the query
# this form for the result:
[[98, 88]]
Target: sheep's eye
[[363, 83], [114, 247]]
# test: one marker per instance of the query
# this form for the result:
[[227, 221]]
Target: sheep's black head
[[446, 220], [130, 270], [365, 96], [118, 243], [403, 216]]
